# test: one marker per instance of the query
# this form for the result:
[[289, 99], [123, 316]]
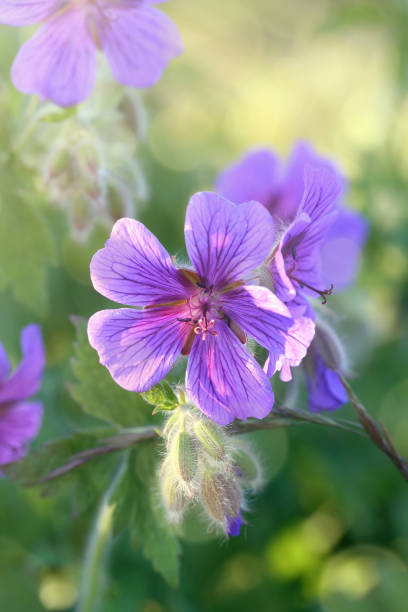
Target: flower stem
[[96, 551]]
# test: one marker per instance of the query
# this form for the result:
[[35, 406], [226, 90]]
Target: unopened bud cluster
[[207, 467]]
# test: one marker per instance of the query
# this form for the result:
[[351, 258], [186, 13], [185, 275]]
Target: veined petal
[[138, 347], [224, 241], [266, 319], [253, 177], [26, 379], [4, 364], [19, 424], [135, 269], [58, 62], [322, 189], [341, 250], [27, 12], [225, 381], [138, 41], [298, 339]]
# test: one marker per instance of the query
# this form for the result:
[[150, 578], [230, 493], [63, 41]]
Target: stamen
[[323, 293], [204, 327]]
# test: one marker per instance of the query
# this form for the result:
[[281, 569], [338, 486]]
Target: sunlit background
[[330, 531]]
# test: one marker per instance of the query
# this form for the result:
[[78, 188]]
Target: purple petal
[[19, 424], [135, 269], [253, 177], [138, 346], [225, 381], [27, 12], [139, 42], [26, 379], [4, 364], [326, 391], [322, 190], [58, 62], [226, 242], [234, 525], [298, 339], [340, 253], [292, 181]]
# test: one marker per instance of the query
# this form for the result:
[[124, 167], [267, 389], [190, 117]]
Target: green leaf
[[137, 504], [88, 479], [26, 246], [96, 391], [161, 396]]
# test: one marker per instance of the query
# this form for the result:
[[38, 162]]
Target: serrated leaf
[[161, 396], [26, 245], [137, 505], [96, 391], [89, 479]]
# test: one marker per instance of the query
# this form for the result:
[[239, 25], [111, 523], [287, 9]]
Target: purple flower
[[320, 240], [59, 62], [20, 420], [205, 312]]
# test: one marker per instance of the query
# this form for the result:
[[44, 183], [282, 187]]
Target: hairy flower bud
[[211, 438], [174, 498], [184, 456], [221, 496]]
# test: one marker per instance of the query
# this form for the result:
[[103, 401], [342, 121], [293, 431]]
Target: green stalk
[[96, 551]]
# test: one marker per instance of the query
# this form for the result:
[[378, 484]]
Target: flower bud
[[174, 498], [183, 455], [221, 496], [211, 439]]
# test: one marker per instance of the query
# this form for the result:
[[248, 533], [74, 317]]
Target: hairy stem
[[95, 555]]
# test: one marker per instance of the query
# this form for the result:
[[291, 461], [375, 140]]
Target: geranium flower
[[20, 419], [320, 244], [59, 62], [205, 312], [318, 248]]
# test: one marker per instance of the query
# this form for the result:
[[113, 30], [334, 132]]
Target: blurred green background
[[330, 531]]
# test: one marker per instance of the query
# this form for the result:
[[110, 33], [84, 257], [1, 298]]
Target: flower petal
[[253, 177], [19, 423], [266, 319], [26, 379], [138, 346], [55, 63], [340, 253], [138, 41], [4, 364], [225, 381], [323, 187], [135, 269], [27, 12], [298, 339], [226, 242], [326, 391]]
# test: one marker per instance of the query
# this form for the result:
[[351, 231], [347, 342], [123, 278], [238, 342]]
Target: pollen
[[205, 327]]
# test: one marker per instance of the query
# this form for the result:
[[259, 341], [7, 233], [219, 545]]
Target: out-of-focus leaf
[[161, 396], [96, 391], [26, 246], [138, 506]]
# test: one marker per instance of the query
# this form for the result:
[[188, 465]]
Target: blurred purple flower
[[20, 420], [325, 389], [205, 313], [59, 62], [328, 249]]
